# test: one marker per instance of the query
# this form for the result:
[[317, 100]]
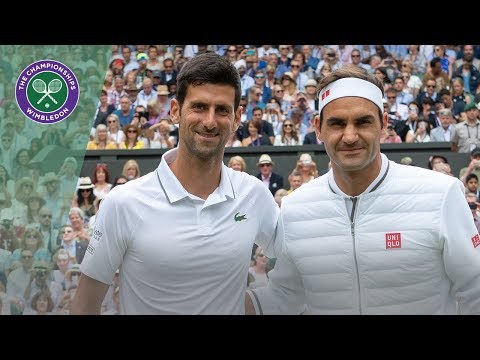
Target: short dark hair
[[471, 176], [208, 68]]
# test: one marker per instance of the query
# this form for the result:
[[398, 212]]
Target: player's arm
[[461, 252], [89, 296]]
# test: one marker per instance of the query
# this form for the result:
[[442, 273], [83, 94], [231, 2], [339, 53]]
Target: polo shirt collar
[[174, 190]]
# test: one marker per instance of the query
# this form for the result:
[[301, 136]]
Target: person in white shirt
[[182, 235], [371, 236]]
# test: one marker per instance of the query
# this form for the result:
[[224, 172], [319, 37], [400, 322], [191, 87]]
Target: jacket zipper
[[352, 231]]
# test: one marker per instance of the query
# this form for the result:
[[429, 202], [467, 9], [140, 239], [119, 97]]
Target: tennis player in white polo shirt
[[182, 235]]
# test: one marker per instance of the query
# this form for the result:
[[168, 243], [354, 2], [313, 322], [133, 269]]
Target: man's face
[[468, 53], [45, 217], [351, 133], [207, 119], [265, 169], [125, 104], [295, 182]]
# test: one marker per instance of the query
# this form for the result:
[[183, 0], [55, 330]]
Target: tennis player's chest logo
[[239, 217], [47, 91]]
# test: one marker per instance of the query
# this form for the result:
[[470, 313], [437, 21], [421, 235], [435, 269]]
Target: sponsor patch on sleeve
[[476, 240]]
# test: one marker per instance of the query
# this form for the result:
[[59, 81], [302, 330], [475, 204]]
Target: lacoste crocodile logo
[[240, 217]]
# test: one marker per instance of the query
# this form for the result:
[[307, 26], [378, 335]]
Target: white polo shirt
[[177, 253]]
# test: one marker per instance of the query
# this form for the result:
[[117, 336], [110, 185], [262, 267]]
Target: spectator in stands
[[310, 63], [470, 75], [159, 135], [104, 109], [237, 163], [231, 54], [288, 135], [101, 179], [428, 93], [356, 59], [413, 83], [279, 195], [254, 100], [34, 204], [417, 60], [131, 169], [101, 141], [20, 164], [273, 115], [295, 179], [289, 85], [42, 303], [442, 79], [54, 198], [258, 270], [117, 91], [35, 146], [460, 99], [361, 183], [114, 131], [40, 280], [194, 171], [154, 62], [403, 96], [234, 140], [255, 138], [468, 55], [390, 136], [307, 167], [434, 159], [61, 258], [467, 135], [108, 82], [246, 80], [76, 217], [18, 280], [330, 58], [126, 111], [473, 167], [132, 138], [471, 185], [85, 197], [260, 82], [271, 179], [168, 75], [446, 62], [270, 76], [278, 92], [31, 240], [446, 130], [398, 111], [443, 168]]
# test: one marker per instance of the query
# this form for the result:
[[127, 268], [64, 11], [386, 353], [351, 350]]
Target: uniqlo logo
[[393, 241], [476, 240], [325, 94]]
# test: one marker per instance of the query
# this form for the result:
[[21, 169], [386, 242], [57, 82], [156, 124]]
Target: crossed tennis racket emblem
[[40, 87]]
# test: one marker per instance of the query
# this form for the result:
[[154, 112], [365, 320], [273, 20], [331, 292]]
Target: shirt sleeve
[[110, 238], [284, 293], [461, 249]]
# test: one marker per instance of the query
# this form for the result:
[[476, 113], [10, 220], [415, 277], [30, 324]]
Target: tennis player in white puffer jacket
[[371, 236]]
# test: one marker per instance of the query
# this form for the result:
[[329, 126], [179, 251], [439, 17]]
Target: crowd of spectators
[[432, 94]]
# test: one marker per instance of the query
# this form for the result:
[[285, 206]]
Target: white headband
[[350, 87]]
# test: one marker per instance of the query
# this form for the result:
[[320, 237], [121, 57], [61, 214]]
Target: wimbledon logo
[[47, 91]]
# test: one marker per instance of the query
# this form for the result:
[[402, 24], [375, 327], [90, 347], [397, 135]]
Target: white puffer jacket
[[411, 247]]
